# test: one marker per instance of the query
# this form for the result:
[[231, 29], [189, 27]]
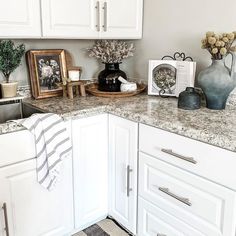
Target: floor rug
[[105, 227]]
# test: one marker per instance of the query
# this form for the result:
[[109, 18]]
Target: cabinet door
[[123, 171], [90, 158], [20, 19], [70, 18], [31, 209], [121, 19]]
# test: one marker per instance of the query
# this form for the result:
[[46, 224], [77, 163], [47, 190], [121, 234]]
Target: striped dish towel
[[52, 145]]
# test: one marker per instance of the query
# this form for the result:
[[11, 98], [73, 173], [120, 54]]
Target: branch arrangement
[[111, 51]]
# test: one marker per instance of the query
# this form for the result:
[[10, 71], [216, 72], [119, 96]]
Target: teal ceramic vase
[[217, 81]]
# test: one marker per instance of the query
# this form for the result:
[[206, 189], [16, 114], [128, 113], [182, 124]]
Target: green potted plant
[[10, 59]]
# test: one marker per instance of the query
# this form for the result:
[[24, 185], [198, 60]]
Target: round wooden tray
[[93, 89]]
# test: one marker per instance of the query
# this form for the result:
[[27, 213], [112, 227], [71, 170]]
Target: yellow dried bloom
[[210, 34], [225, 39], [212, 40], [222, 43], [223, 51], [230, 36], [218, 43], [220, 36], [214, 50]]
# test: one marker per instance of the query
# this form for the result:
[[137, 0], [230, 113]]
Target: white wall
[[179, 25], [76, 48]]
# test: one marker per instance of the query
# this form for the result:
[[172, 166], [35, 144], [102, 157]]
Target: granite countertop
[[209, 126]]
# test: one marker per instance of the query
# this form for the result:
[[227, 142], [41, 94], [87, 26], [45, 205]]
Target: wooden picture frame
[[46, 69]]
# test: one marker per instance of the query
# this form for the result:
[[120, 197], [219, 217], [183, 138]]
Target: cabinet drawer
[[202, 159], [210, 203], [16, 147], [153, 221]]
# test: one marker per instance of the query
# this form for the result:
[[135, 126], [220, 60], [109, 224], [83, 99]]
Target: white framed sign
[[169, 77]]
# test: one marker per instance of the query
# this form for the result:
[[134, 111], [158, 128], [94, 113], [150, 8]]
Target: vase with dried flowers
[[111, 53], [217, 81]]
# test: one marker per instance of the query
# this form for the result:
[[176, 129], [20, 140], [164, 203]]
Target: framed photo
[[46, 70], [170, 77]]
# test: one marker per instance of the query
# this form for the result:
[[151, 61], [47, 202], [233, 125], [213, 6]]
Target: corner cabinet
[[90, 160], [123, 146], [91, 19], [20, 19]]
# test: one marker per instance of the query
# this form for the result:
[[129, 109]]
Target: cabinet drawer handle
[[189, 159], [161, 234], [4, 207], [181, 199], [98, 15], [105, 16], [129, 170]]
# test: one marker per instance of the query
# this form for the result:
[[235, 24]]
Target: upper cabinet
[[121, 19], [90, 19], [20, 19], [70, 19]]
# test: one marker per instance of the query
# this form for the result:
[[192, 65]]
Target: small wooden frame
[[46, 70], [74, 86]]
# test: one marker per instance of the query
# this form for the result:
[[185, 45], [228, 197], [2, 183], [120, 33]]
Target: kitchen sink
[[15, 109]]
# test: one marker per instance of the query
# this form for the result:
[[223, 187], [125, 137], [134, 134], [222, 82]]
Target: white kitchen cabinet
[[90, 160], [20, 19], [121, 19], [31, 209], [153, 221], [123, 171], [70, 18], [91, 19]]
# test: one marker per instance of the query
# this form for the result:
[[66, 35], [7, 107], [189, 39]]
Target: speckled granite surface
[[213, 127]]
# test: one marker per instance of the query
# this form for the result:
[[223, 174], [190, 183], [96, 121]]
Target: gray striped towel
[[52, 145]]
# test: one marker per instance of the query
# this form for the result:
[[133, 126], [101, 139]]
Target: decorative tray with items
[[93, 89]]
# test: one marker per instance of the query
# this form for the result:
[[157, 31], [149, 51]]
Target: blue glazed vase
[[217, 81]]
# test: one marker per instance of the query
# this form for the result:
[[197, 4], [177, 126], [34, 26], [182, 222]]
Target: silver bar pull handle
[[4, 207], [189, 159], [161, 235], [186, 201], [129, 170], [98, 16], [105, 16]]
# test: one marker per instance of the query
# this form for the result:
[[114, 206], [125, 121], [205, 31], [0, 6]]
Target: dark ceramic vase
[[108, 78], [217, 81], [189, 99]]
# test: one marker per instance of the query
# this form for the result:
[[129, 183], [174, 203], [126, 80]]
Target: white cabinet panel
[[90, 159], [153, 221], [69, 19], [197, 202], [24, 147], [181, 151], [122, 19], [20, 19], [33, 210], [123, 171]]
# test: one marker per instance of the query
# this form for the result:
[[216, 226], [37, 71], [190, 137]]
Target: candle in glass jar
[[74, 75]]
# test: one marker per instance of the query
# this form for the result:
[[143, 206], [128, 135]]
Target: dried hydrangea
[[111, 51], [219, 45]]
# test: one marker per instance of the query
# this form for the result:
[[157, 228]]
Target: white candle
[[74, 75]]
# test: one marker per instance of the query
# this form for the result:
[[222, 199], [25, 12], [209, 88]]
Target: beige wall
[[179, 25], [76, 48]]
